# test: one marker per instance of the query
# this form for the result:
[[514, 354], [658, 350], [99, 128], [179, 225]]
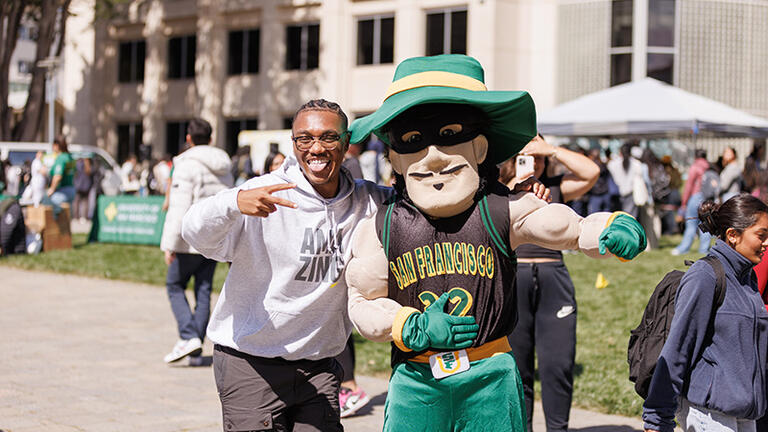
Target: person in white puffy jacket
[[199, 172]]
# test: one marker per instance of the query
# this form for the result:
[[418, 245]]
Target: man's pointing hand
[[260, 201]]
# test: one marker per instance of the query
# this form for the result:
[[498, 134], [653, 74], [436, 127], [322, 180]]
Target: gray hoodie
[[198, 173], [284, 295]]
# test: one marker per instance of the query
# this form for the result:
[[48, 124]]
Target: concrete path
[[82, 354]]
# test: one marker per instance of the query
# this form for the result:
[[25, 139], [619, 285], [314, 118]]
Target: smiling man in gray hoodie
[[281, 316], [199, 172]]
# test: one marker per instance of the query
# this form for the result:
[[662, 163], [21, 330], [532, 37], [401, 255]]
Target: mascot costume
[[434, 270]]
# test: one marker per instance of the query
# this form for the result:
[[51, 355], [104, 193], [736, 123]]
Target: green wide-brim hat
[[459, 79]]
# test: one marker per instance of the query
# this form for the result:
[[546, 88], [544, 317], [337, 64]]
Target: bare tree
[[11, 12], [51, 18]]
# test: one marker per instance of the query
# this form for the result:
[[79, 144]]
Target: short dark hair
[[739, 213], [323, 105], [199, 131]]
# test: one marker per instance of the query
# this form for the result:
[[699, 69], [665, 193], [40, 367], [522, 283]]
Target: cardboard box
[[40, 219], [56, 241], [55, 230]]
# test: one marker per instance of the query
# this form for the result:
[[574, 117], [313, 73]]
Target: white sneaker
[[183, 348], [674, 252]]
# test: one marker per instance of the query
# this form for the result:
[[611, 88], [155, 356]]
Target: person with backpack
[[711, 372], [12, 230], [693, 196], [83, 183]]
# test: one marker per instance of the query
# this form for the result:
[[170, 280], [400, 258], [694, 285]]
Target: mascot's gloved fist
[[623, 237], [436, 329]]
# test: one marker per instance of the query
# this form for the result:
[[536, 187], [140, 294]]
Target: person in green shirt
[[62, 174]]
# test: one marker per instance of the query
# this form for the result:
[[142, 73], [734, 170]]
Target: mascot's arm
[[371, 312], [556, 226]]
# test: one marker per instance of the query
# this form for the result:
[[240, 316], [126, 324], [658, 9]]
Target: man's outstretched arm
[[213, 225]]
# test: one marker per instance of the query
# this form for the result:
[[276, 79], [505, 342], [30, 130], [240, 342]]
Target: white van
[[19, 152]]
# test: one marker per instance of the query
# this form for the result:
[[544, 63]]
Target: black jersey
[[467, 256]]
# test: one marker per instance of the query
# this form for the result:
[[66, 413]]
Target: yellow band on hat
[[435, 79]]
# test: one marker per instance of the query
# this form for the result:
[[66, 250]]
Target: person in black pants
[[546, 300]]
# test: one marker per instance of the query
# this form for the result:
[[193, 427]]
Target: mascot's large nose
[[435, 160]]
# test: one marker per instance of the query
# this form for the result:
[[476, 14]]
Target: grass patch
[[134, 263], [605, 316]]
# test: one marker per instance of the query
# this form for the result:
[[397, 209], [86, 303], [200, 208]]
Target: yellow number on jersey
[[459, 297]]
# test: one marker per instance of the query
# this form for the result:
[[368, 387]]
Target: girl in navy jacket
[[717, 383]]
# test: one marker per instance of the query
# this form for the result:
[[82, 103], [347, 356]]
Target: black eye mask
[[423, 123]]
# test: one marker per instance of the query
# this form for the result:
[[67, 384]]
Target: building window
[[661, 40], [181, 57], [28, 32], [658, 54], [129, 137], [447, 32], [25, 67], [302, 45], [621, 41], [244, 52], [621, 68], [234, 127], [175, 136], [131, 62], [376, 40]]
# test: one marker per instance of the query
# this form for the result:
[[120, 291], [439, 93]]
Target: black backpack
[[647, 340], [12, 228]]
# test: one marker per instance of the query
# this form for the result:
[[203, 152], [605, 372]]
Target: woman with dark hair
[[62, 175], [546, 298], [711, 373], [730, 175], [273, 162]]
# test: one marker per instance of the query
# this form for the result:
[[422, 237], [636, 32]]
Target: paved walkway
[[82, 354]]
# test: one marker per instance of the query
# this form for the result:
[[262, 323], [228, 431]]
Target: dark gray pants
[[191, 324], [546, 306], [274, 394]]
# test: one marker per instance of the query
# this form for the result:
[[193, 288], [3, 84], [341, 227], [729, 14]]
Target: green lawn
[[605, 316]]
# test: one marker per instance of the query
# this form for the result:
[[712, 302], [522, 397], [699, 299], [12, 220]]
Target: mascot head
[[445, 129]]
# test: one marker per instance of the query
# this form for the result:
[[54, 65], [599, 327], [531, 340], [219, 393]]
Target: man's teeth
[[317, 164]]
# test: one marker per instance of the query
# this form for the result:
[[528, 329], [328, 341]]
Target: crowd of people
[[281, 335]]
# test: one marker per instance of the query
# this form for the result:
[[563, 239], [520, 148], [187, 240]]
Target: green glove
[[434, 328], [624, 237]]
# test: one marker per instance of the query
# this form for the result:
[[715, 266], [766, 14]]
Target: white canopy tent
[[648, 107]]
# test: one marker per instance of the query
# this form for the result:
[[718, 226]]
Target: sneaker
[[350, 401], [183, 348], [196, 361], [674, 252]]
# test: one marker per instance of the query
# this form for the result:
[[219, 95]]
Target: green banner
[[128, 219]]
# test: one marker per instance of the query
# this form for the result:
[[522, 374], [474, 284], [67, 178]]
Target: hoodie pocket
[[702, 382]]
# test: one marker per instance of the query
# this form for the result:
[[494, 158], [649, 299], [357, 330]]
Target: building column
[[272, 61], [78, 73], [153, 95], [210, 66], [410, 28], [639, 39]]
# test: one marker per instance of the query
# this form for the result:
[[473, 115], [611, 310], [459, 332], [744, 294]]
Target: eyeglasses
[[329, 141]]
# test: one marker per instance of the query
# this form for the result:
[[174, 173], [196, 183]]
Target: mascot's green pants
[[487, 397]]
